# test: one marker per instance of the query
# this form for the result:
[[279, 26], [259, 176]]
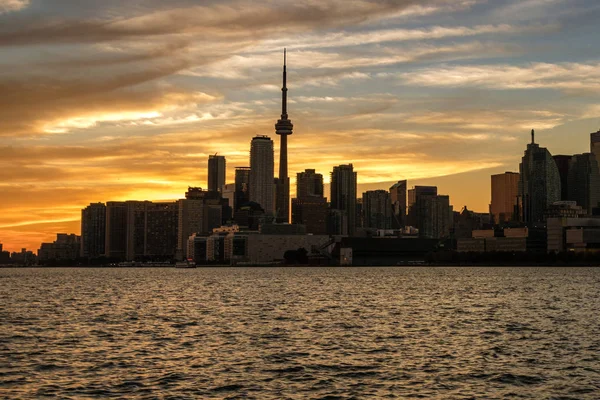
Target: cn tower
[[283, 128]]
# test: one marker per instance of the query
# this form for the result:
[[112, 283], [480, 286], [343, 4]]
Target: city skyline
[[400, 91]]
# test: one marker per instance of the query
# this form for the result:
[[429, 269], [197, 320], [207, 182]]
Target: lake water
[[300, 333]]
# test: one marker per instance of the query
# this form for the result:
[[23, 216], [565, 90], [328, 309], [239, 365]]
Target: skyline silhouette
[[433, 92]]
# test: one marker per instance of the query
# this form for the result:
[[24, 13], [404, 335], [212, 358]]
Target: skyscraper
[[413, 196], [93, 230], [563, 163], [595, 144], [309, 185], [216, 172], [283, 128], [584, 181], [343, 194], [242, 187], [116, 230], [261, 173], [377, 209], [505, 189], [398, 200], [309, 208], [539, 183]]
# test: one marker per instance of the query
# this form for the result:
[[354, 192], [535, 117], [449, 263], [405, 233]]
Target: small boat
[[185, 264]]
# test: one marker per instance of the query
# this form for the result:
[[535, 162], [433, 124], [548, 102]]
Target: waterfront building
[[429, 212], [343, 195], [399, 206], [261, 173], [573, 234], [505, 189], [377, 209], [539, 183], [228, 192], [66, 247], [116, 230], [283, 128], [216, 172], [413, 195], [93, 230]]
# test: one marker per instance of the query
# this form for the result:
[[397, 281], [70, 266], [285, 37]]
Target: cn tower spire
[[283, 128]]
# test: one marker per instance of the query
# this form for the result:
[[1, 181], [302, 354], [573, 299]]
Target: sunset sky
[[115, 100]]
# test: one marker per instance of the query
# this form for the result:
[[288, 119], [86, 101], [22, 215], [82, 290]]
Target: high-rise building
[[309, 208], [309, 185], [136, 230], [200, 212], [283, 128], [398, 199], [539, 183], [595, 144], [228, 192], [93, 230], [343, 194], [584, 181], [563, 163], [435, 216], [505, 189], [413, 196], [162, 221], [261, 173], [242, 187], [116, 230], [216, 172], [377, 209]]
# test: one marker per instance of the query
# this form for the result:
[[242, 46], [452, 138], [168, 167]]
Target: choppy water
[[301, 333]]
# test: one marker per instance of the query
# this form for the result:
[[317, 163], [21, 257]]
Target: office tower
[[136, 230], [261, 173], [200, 212], [595, 144], [242, 187], [563, 164], [283, 128], [343, 194], [93, 230], [309, 185], [116, 230], [435, 216], [505, 189], [398, 200], [413, 195], [309, 208], [377, 209], [539, 182], [584, 181], [216, 172], [162, 221]]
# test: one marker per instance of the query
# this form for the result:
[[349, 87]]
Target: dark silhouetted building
[[377, 209], [242, 187], [93, 230], [216, 172], [563, 164], [309, 185], [343, 195], [66, 247], [309, 208], [505, 189], [261, 173], [539, 183], [413, 195], [584, 181], [116, 230], [595, 144], [399, 206]]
